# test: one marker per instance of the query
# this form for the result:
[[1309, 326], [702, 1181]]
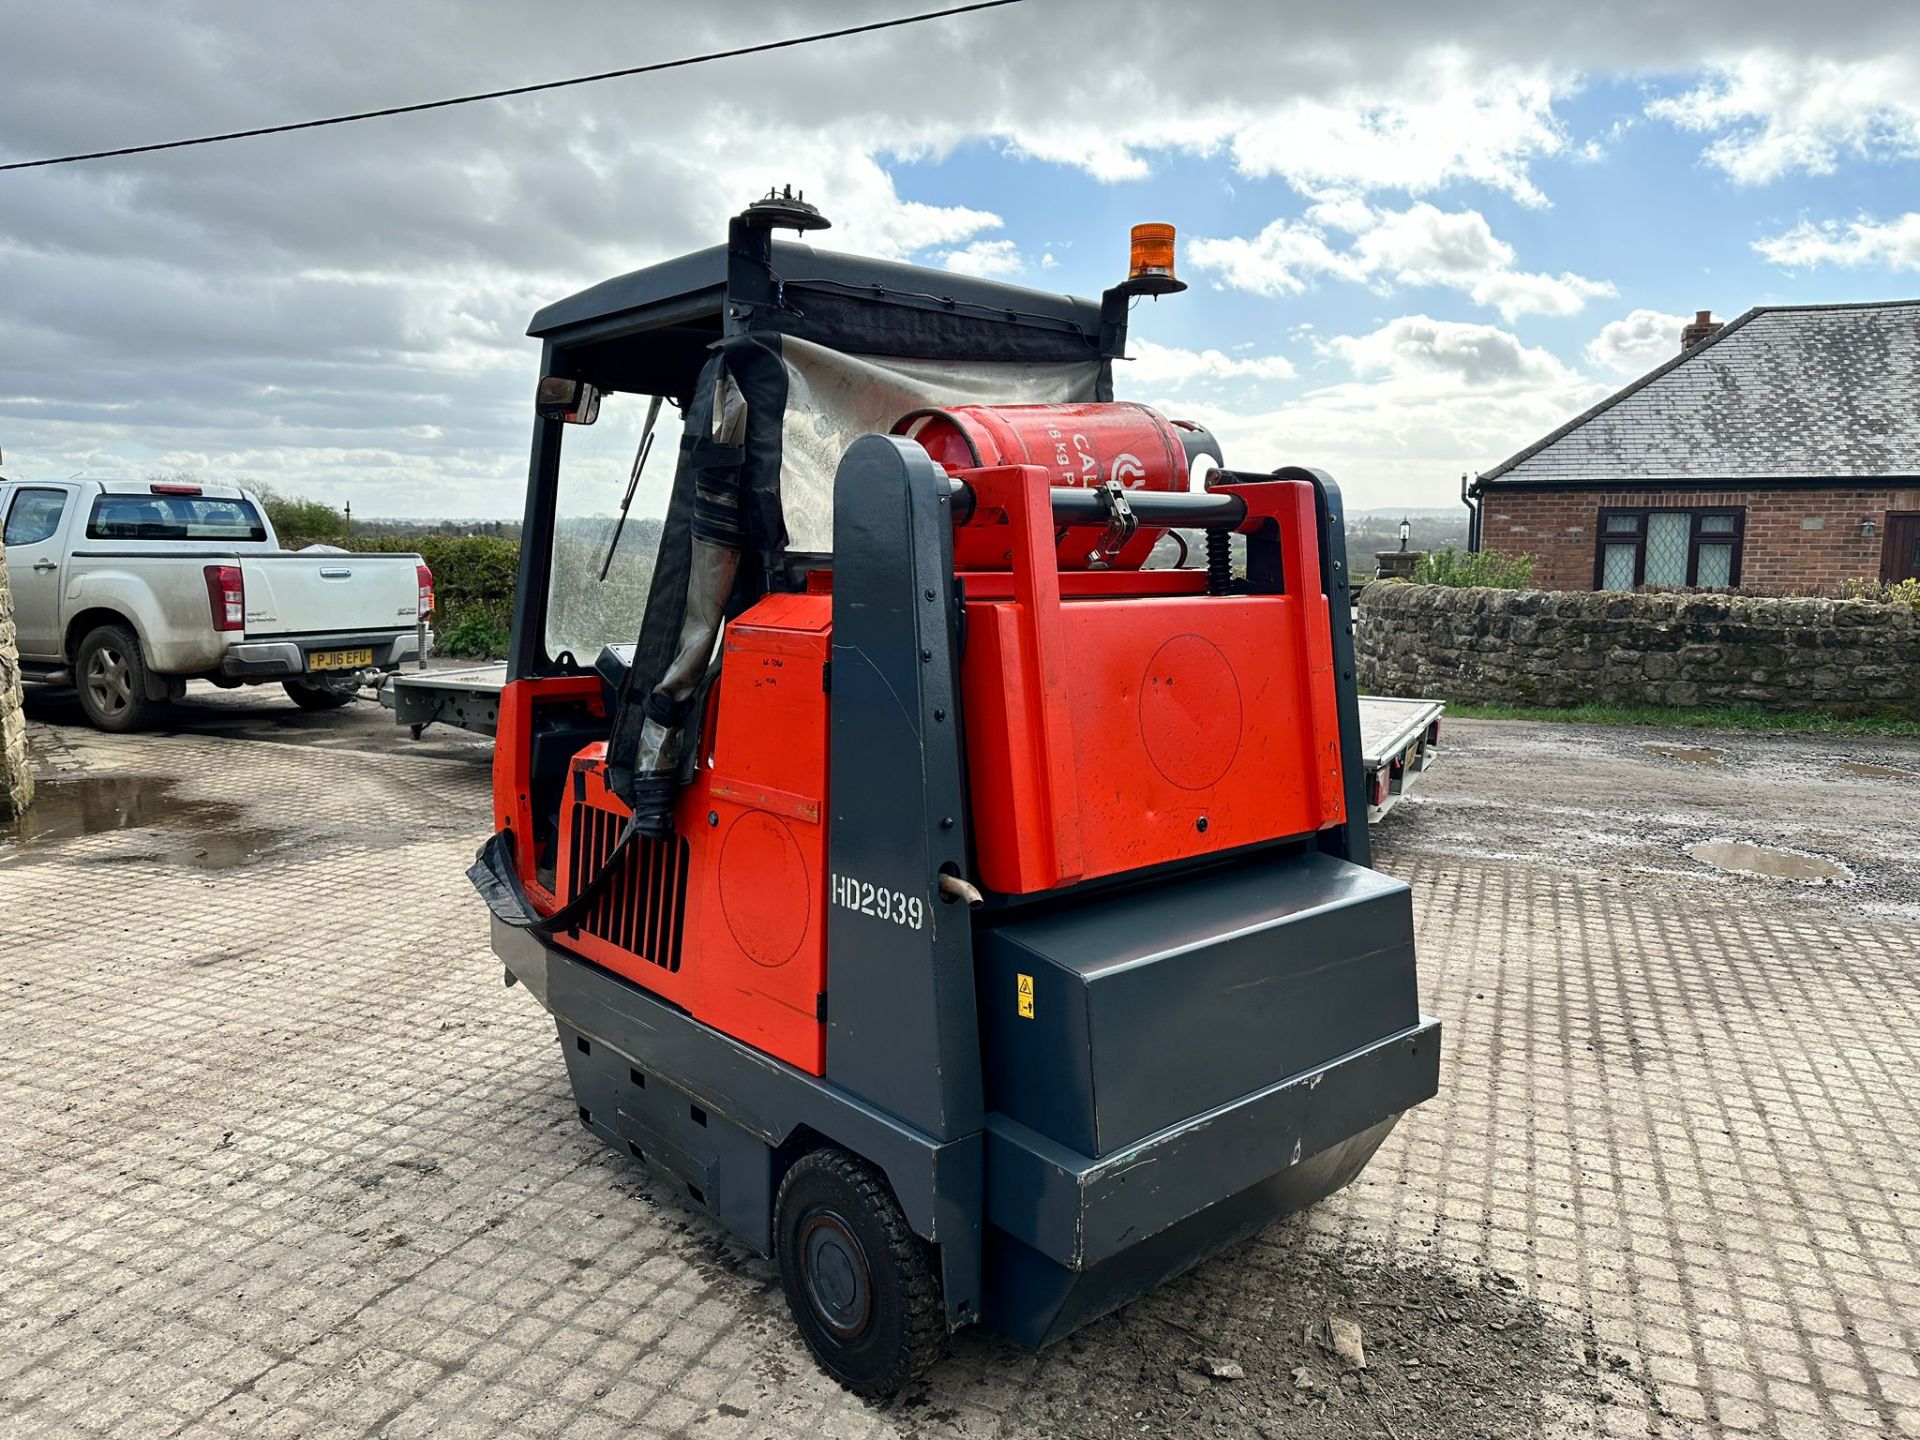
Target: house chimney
[[1703, 326]]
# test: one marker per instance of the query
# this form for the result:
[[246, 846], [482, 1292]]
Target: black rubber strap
[[495, 876]]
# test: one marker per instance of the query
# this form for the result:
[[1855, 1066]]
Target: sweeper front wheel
[[861, 1285]]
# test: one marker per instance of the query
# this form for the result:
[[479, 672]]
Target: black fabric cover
[[864, 324], [727, 495]]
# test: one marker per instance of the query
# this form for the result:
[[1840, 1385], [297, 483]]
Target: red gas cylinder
[[1078, 444]]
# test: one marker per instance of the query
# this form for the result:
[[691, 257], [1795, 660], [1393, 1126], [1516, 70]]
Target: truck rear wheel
[[111, 675], [310, 696], [861, 1285]]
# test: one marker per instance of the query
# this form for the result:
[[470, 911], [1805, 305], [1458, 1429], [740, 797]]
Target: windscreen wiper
[[633, 484]]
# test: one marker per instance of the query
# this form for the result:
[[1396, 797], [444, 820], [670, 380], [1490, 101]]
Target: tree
[[295, 516]]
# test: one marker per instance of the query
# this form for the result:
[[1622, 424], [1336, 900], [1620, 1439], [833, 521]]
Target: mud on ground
[[1448, 1355]]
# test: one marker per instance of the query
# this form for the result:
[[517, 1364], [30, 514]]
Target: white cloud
[[1280, 260], [1637, 342], [1775, 113], [1448, 120], [1894, 244], [1515, 293], [316, 306], [985, 257], [1169, 366], [1429, 400], [1421, 245], [1454, 352]]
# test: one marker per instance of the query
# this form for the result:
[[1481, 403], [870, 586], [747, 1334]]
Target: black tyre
[[311, 696], [861, 1285], [111, 675]]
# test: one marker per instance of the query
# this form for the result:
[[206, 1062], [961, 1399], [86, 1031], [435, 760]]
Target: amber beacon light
[[1150, 262]]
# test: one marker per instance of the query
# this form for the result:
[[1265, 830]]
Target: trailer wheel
[[861, 1285], [111, 676], [310, 696]]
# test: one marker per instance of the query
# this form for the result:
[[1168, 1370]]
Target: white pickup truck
[[128, 589]]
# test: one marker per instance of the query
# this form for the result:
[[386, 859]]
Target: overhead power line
[[658, 65]]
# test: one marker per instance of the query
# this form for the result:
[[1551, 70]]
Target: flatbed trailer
[[468, 698], [1399, 740]]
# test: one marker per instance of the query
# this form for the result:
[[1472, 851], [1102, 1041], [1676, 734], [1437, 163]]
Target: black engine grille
[[642, 908]]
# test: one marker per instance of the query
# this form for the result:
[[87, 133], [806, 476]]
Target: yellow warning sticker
[[1024, 983]]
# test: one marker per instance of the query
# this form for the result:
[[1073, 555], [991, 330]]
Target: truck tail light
[[227, 597], [425, 576]]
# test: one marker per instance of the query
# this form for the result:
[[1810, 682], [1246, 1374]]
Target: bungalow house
[[1778, 452]]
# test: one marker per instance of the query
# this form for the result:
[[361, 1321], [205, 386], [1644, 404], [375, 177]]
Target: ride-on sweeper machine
[[955, 889]]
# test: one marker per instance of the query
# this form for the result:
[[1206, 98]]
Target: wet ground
[[1680, 812], [264, 713], [279, 1155]]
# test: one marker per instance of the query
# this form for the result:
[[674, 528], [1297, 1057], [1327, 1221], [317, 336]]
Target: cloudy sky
[[1418, 235]]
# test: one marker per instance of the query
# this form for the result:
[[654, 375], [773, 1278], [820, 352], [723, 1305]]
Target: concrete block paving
[[281, 1156]]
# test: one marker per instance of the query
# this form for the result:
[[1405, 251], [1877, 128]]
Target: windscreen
[[585, 612], [174, 517]]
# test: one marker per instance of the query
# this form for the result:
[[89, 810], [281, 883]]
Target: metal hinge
[[1122, 524]]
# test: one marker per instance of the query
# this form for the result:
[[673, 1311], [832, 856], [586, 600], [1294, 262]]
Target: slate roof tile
[[1784, 391]]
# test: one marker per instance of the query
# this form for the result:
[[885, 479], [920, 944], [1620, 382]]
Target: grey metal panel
[[1351, 840], [1035, 1301], [939, 1185], [527, 650], [1038, 1069], [1187, 995], [724, 1168], [1079, 1211], [901, 1026]]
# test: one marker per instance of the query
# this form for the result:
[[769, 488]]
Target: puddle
[[1740, 858], [205, 834], [1692, 754], [1878, 772]]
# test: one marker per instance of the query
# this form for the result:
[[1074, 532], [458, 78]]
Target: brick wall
[[16, 775], [1795, 539], [1684, 647]]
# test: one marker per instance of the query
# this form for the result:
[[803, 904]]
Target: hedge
[[473, 579]]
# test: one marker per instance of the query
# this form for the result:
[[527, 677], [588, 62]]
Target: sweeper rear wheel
[[861, 1285]]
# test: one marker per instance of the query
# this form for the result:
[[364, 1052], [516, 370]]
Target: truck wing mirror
[[574, 401]]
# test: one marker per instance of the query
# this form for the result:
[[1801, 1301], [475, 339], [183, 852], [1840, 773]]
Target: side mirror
[[574, 401]]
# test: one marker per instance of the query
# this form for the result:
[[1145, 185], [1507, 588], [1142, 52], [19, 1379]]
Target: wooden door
[[1900, 560]]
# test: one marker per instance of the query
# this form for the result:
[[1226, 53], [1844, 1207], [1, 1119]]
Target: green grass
[[1879, 722]]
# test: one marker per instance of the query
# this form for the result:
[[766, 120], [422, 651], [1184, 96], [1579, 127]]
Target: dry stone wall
[[16, 775], [1560, 648]]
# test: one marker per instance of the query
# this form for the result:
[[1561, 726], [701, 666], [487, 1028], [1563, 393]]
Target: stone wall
[[1555, 648], [16, 774]]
